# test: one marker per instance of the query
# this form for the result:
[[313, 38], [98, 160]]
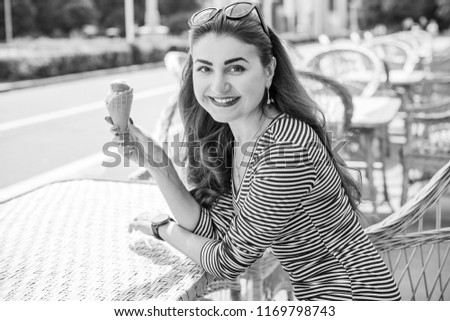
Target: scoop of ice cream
[[119, 85]]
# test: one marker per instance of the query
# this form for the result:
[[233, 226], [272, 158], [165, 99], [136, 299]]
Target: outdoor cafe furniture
[[398, 54], [427, 145], [420, 42], [358, 68], [370, 68], [69, 240], [334, 100], [415, 241], [371, 117], [403, 63]]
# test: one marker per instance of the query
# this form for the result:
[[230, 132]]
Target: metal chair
[[427, 147], [435, 89], [415, 244], [356, 67], [427, 127], [334, 100], [397, 53], [421, 43]]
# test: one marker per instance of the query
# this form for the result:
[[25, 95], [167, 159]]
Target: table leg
[[384, 147], [256, 289], [369, 141]]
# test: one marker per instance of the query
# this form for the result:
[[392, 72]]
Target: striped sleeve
[[205, 225], [213, 223], [282, 176]]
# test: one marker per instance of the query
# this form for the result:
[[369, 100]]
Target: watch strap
[[155, 228]]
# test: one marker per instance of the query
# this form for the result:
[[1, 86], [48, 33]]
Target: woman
[[261, 167]]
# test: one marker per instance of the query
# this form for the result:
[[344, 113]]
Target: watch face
[[161, 218]]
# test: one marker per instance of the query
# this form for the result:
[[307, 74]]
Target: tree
[[443, 13], [112, 13], [170, 7], [23, 14], [394, 11], [47, 15], [175, 14], [77, 13], [370, 13]]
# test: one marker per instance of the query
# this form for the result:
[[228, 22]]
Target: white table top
[[401, 78], [69, 241], [371, 112]]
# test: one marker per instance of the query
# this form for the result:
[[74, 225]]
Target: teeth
[[223, 100]]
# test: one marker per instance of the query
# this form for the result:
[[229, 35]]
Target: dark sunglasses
[[234, 11]]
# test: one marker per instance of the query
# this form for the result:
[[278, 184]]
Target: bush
[[146, 53], [46, 58]]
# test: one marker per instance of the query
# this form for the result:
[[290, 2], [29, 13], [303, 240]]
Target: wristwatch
[[158, 221]]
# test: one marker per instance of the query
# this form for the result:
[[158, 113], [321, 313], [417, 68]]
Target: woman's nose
[[220, 84]]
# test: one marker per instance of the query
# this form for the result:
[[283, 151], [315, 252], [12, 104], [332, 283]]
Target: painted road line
[[59, 173], [80, 109]]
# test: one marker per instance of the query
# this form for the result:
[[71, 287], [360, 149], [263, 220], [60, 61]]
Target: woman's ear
[[270, 71]]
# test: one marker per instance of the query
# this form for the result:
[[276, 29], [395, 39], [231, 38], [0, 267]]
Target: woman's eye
[[236, 69], [203, 69]]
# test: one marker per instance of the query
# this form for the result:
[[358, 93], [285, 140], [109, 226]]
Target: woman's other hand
[[142, 223]]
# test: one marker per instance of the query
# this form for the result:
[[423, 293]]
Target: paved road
[[58, 131]]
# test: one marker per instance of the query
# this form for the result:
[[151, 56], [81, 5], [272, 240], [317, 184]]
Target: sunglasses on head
[[234, 11]]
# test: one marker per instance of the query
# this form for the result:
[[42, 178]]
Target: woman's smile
[[224, 101]]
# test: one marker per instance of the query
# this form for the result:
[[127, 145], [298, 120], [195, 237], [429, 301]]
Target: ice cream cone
[[119, 102]]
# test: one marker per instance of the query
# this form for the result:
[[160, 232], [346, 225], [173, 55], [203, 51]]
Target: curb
[[23, 84]]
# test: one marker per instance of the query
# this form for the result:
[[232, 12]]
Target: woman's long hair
[[210, 143]]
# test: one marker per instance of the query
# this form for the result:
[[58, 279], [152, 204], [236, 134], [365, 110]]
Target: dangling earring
[[268, 96]]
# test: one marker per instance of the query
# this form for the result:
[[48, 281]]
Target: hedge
[[26, 59]]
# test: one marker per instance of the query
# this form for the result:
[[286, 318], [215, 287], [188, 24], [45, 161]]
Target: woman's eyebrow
[[206, 62], [227, 62], [230, 61]]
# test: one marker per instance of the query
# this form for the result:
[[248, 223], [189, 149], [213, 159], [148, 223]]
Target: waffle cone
[[119, 108]]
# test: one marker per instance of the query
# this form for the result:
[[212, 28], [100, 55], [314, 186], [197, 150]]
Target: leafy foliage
[[443, 12], [393, 12], [77, 13], [397, 10], [24, 13], [370, 13], [112, 13], [60, 17], [47, 15], [169, 7]]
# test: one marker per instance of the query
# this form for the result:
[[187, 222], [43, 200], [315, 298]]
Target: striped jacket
[[291, 200]]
